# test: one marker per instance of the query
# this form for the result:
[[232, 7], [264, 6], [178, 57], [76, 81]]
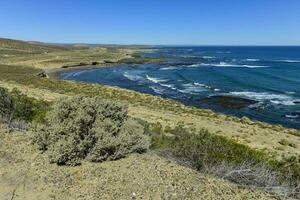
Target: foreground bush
[[85, 127]]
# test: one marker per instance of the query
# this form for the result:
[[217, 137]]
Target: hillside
[[25, 173], [42, 55], [8, 46]]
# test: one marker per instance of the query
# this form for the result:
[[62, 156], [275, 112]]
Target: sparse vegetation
[[89, 127], [17, 109], [225, 158], [27, 108]]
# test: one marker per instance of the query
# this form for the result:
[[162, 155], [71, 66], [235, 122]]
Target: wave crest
[[265, 96], [156, 80]]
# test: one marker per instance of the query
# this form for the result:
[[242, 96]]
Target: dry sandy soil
[[25, 173]]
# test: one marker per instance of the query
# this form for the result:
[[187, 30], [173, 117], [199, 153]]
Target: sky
[[166, 22]]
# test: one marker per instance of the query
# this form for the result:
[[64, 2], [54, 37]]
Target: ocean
[[262, 83]]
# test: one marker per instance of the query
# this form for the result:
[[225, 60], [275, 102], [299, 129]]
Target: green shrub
[[15, 106], [89, 127], [208, 149], [6, 106], [23, 105], [226, 158], [27, 108]]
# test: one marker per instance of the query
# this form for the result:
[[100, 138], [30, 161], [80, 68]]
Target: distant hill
[[48, 55], [7, 45]]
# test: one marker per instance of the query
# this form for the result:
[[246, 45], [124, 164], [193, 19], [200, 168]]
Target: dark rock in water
[[231, 102], [296, 102]]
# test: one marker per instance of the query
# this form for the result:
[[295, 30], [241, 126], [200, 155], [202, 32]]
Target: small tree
[[89, 127]]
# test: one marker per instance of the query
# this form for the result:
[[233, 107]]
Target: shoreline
[[51, 72], [54, 73]]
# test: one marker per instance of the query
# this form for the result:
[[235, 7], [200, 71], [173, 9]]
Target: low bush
[[17, 109], [6, 106], [27, 108], [226, 158], [205, 148], [88, 127]]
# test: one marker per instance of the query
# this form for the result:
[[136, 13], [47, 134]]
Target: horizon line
[[163, 45]]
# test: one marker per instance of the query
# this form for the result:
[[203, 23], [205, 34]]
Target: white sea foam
[[157, 90], [292, 116], [168, 68], [168, 86], [290, 92], [190, 88], [132, 77], [254, 66], [78, 73], [156, 80], [194, 65], [202, 85], [290, 61], [206, 86], [199, 84], [208, 57], [224, 64], [252, 59], [265, 96]]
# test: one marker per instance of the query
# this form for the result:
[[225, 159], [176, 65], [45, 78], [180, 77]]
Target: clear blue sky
[[198, 22]]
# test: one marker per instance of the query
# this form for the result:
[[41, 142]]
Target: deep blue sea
[[266, 78]]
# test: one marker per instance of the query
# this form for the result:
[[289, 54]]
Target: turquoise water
[[270, 76]]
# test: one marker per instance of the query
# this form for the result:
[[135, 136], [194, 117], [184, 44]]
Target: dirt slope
[[26, 174]]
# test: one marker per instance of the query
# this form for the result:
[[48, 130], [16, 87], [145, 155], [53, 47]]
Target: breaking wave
[[132, 77], [289, 61], [156, 80], [224, 64], [157, 90], [190, 88], [265, 96], [252, 60]]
